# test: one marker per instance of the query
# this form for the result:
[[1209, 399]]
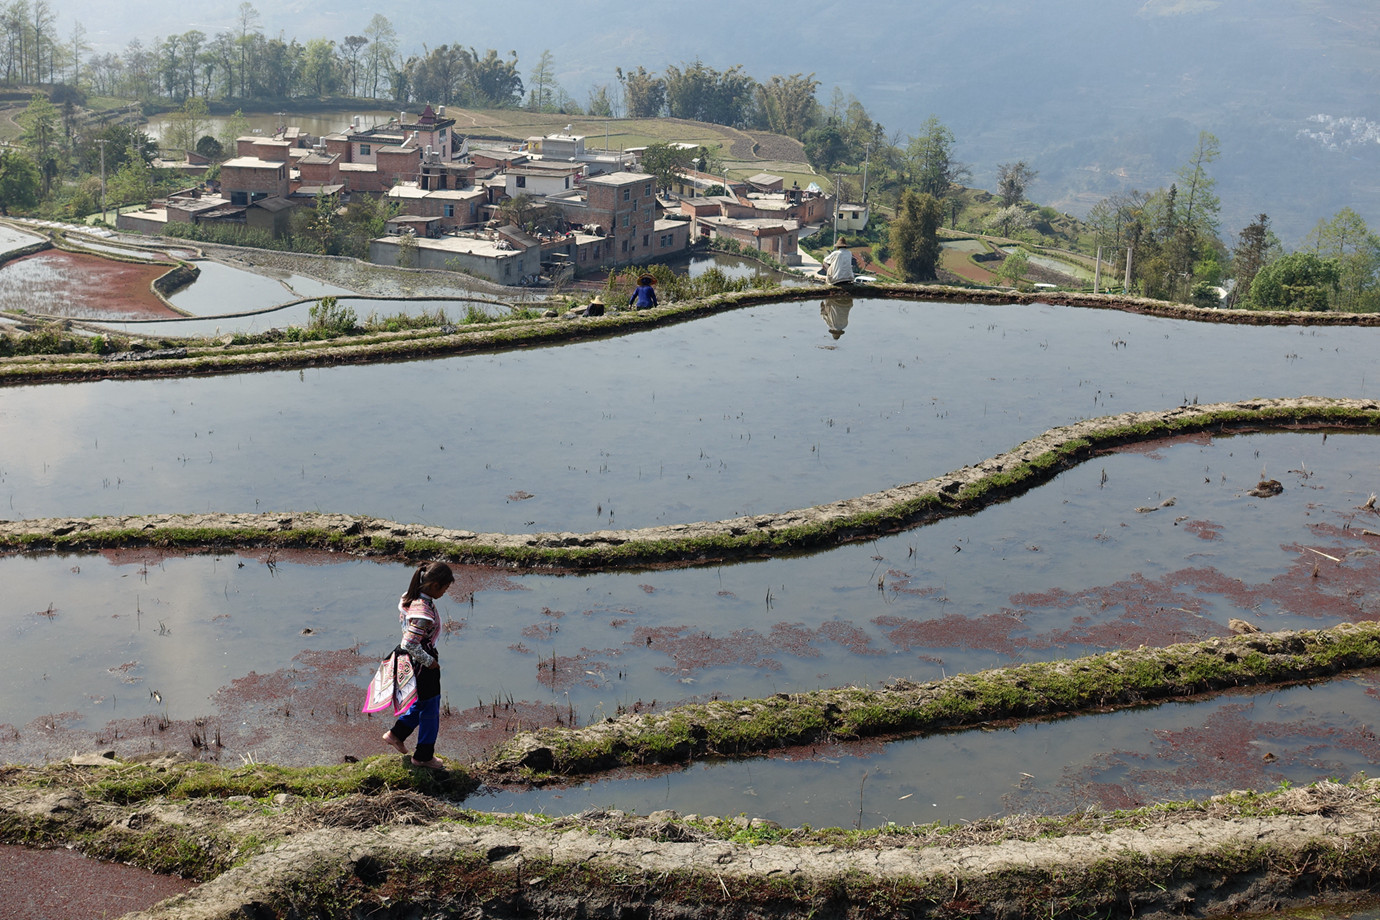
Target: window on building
[[364, 150], [522, 182], [627, 220], [647, 189], [625, 245], [627, 194], [646, 239], [448, 210]]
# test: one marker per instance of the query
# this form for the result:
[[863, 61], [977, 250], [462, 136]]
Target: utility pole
[[1097, 272], [101, 141], [837, 201], [867, 161], [1128, 269]]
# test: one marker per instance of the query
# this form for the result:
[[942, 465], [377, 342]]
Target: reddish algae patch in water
[[45, 884], [81, 286]]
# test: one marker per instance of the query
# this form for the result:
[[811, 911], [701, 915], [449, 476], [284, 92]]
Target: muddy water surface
[[1120, 760], [1159, 545], [756, 410], [80, 286], [46, 884]]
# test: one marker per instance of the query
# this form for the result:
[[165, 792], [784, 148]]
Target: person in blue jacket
[[644, 295]]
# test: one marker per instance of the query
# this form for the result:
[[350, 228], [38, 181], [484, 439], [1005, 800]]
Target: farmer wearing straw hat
[[838, 265], [644, 295]]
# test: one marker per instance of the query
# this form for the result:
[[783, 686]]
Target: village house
[[455, 208], [506, 255], [571, 148], [621, 207], [540, 178], [775, 237]]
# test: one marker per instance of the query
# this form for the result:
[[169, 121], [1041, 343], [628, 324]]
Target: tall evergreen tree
[[915, 236]]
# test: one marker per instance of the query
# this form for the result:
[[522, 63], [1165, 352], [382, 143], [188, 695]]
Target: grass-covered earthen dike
[[375, 839]]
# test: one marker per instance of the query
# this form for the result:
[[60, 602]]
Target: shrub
[[330, 317]]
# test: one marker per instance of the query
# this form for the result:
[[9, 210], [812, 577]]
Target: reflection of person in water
[[835, 313]]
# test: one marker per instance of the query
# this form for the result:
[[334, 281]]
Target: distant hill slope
[[1099, 97]]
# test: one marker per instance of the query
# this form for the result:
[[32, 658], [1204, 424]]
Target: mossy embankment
[[1098, 683], [399, 853], [963, 491], [202, 356]]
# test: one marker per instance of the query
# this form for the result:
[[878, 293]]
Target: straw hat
[[597, 300], [646, 279], [841, 244]]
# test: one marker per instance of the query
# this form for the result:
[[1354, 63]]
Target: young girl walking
[[421, 627]]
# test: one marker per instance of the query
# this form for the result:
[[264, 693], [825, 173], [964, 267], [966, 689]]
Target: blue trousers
[[425, 717]]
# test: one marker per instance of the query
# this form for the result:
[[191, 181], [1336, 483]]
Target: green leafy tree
[[383, 46], [543, 90], [644, 94], [20, 181], [496, 83], [322, 225], [826, 146], [407, 250], [320, 72], [234, 128], [788, 104], [41, 135], [914, 236], [187, 125], [1014, 267], [1012, 181], [698, 92], [209, 148], [132, 183], [933, 169], [520, 210], [350, 51], [1347, 239], [665, 162], [1300, 281], [600, 104], [119, 141], [1254, 247], [443, 75]]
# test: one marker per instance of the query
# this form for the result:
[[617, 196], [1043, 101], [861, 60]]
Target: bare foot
[[434, 763], [393, 742]]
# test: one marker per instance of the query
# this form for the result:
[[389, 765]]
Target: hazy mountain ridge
[[1099, 97]]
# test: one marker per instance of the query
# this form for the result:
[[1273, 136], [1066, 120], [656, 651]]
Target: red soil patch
[[82, 286], [43, 884]]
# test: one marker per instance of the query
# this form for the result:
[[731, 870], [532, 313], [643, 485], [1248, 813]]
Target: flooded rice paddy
[[763, 409], [79, 286], [1153, 546], [756, 410], [222, 300]]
